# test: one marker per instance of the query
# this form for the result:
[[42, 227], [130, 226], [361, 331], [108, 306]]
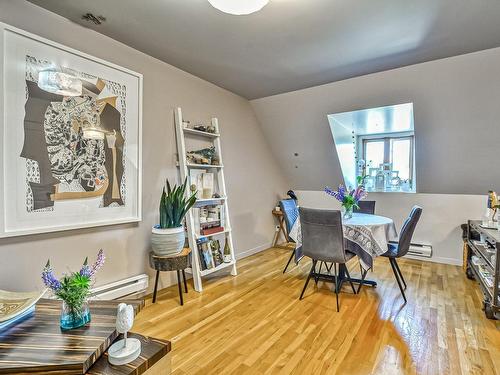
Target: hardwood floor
[[255, 324]]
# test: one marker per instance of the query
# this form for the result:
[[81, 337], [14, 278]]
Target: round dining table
[[367, 236]]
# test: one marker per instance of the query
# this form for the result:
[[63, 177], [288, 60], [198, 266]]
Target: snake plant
[[174, 205]]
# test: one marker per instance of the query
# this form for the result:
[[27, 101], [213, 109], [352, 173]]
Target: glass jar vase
[[72, 318], [347, 212]]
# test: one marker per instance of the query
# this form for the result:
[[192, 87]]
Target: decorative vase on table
[[348, 198], [72, 317], [168, 237], [74, 291], [347, 211]]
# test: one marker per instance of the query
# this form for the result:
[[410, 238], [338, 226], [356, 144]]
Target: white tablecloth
[[367, 235]]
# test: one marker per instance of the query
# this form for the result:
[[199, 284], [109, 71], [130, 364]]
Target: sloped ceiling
[[292, 44]]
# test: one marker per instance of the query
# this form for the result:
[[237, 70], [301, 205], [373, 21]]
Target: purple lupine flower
[[341, 193], [49, 279], [89, 271], [337, 194], [86, 270], [98, 263]]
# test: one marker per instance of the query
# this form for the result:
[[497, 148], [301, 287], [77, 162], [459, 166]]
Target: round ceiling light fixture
[[239, 7]]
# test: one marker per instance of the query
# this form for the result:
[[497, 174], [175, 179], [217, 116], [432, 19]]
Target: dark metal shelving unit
[[491, 237]]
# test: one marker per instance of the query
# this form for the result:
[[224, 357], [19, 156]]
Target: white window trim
[[360, 150]]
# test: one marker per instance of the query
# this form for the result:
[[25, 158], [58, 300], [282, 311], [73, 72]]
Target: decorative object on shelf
[[349, 199], [74, 291], [71, 142], [227, 252], [16, 306], [238, 7], [126, 350], [216, 252], [168, 237], [204, 156]]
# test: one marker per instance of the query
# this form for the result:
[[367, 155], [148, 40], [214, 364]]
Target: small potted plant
[[74, 291], [168, 236], [349, 199]]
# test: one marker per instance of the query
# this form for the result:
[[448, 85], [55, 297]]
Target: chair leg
[[336, 284], [391, 260], [400, 273], [363, 275], [156, 286], [184, 278], [180, 286], [313, 267], [329, 269], [289, 260], [316, 279], [349, 278]]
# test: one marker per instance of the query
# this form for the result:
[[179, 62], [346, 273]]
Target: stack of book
[[210, 253]]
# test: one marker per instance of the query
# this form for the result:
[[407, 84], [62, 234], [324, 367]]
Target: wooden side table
[[178, 262], [282, 229]]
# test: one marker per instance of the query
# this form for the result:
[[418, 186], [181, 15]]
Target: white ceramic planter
[[166, 242]]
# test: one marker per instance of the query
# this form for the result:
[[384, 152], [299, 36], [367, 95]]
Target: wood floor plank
[[254, 323]]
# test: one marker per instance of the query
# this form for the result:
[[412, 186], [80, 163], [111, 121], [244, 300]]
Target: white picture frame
[[18, 214]]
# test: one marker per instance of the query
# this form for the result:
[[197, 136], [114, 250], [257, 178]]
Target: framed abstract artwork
[[70, 130]]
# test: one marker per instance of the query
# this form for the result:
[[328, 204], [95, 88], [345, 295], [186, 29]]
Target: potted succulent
[[168, 236]]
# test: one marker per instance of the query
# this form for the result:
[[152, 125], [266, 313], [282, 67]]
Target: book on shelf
[[205, 254], [216, 252], [212, 230]]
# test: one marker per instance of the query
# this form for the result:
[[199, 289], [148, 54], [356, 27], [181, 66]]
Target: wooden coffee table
[[38, 346]]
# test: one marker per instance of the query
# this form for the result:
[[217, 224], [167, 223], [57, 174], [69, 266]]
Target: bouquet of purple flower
[[73, 289], [349, 199]]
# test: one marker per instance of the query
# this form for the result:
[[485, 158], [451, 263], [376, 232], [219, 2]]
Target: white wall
[[254, 179], [439, 224], [456, 104]]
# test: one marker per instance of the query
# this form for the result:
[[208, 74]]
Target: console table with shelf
[[483, 264]]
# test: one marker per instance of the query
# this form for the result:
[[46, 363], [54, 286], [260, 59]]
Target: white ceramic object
[[126, 350], [165, 242]]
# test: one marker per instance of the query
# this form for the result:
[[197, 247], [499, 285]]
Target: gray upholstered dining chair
[[401, 248], [290, 214], [366, 207], [323, 241]]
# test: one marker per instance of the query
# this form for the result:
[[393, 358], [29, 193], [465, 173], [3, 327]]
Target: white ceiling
[[292, 44]]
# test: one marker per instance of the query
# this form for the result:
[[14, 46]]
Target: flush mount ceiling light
[[59, 83], [238, 7]]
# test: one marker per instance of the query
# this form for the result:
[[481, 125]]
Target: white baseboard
[[252, 251], [450, 261]]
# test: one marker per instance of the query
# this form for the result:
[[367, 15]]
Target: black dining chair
[[290, 214], [401, 248], [365, 207], [323, 241]]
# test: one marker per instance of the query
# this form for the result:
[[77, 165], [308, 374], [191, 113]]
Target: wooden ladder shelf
[[218, 170]]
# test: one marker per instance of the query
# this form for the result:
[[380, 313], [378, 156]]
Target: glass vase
[[72, 318], [347, 212]]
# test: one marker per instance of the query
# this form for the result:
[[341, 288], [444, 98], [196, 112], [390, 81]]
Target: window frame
[[388, 148]]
